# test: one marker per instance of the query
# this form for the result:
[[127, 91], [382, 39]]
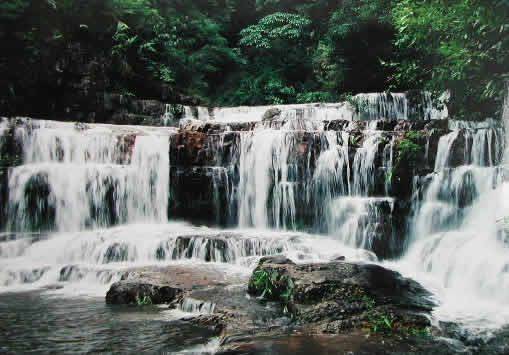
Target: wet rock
[[457, 155], [185, 277], [386, 125], [335, 125], [338, 307], [440, 125], [276, 260], [271, 114], [71, 273], [116, 252], [498, 344], [337, 297], [141, 291], [291, 341]]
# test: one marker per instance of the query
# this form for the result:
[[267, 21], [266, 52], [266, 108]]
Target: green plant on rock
[[143, 301], [420, 332], [272, 285], [379, 321], [414, 136], [382, 323], [409, 149]]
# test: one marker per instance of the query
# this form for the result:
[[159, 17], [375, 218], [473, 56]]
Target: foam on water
[[368, 106], [456, 248], [89, 261]]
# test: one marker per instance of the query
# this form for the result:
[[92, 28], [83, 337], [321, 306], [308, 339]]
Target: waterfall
[[73, 179], [458, 248], [371, 106], [283, 170], [91, 201], [101, 256], [385, 105]]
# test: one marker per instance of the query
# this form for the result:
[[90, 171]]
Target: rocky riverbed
[[335, 306]]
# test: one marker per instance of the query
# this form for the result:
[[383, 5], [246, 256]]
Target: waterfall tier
[[372, 106]]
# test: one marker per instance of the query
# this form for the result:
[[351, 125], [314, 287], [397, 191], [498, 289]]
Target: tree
[[359, 39], [460, 45]]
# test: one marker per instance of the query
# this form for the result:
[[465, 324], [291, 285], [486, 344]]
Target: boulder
[[339, 296], [141, 292], [271, 114]]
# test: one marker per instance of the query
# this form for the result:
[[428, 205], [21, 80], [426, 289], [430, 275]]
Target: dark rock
[[498, 344], [141, 292], [71, 273], [276, 260], [386, 125], [116, 252], [457, 155], [339, 307], [292, 341], [337, 296], [271, 114], [335, 125], [441, 125]]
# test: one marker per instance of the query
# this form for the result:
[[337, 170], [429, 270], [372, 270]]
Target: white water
[[276, 176], [88, 178], [362, 106], [456, 248], [88, 262]]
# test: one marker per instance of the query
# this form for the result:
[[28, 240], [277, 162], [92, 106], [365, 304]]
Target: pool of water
[[44, 323]]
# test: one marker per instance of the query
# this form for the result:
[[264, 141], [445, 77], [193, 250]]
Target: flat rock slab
[[163, 285], [186, 277]]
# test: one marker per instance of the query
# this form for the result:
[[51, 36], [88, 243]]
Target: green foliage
[[461, 45], [255, 52], [143, 301], [414, 136], [379, 322], [314, 96], [272, 285], [12, 9], [382, 323], [360, 36], [409, 152], [274, 29]]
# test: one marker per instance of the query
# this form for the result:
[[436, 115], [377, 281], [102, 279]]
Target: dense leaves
[[252, 51], [461, 45]]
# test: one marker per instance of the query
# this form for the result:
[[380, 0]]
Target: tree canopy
[[231, 52]]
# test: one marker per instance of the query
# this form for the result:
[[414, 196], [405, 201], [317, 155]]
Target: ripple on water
[[35, 322]]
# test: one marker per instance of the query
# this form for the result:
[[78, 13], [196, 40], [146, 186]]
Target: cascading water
[[74, 179], [456, 248], [372, 106], [283, 169]]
